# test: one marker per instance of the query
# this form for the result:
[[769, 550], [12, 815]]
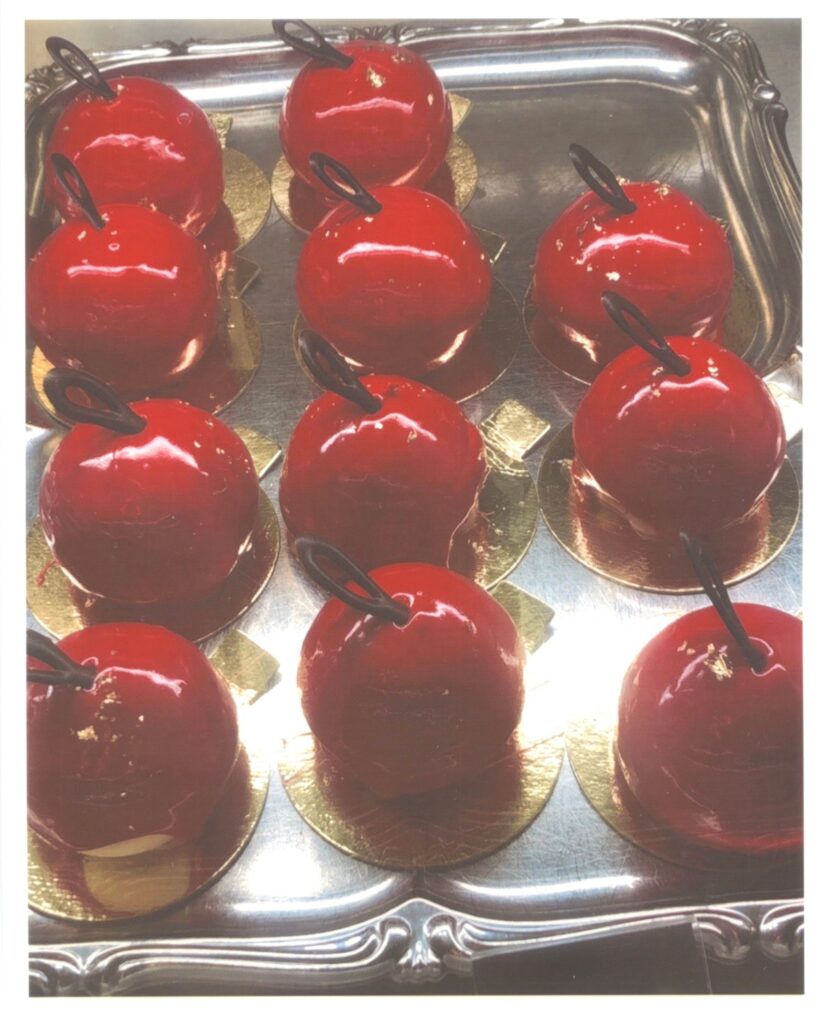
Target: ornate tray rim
[[419, 940]]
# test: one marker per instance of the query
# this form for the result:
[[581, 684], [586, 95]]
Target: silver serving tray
[[685, 101]]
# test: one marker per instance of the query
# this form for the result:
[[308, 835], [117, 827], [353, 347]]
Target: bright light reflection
[[157, 147], [403, 422], [157, 448], [365, 248], [169, 274]]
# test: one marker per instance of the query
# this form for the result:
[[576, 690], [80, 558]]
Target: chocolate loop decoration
[[655, 344], [65, 671], [318, 49], [71, 180], [87, 73], [601, 179], [359, 196], [717, 592], [333, 372], [377, 602], [117, 416]]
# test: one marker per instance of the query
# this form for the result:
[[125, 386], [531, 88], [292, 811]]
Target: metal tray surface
[[684, 101]]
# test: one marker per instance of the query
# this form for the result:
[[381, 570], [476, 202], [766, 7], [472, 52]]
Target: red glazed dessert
[[135, 140], [153, 505], [693, 445], [128, 296], [385, 469], [137, 760], [651, 243], [415, 687], [378, 108], [709, 745], [395, 280]]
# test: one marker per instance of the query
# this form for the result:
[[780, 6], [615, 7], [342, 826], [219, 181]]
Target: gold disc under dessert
[[431, 830], [69, 885], [481, 361], [221, 375], [246, 194], [61, 607], [736, 333], [604, 542]]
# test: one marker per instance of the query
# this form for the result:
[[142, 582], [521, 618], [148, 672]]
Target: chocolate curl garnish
[[71, 180], [63, 672], [655, 344], [355, 194], [318, 49], [717, 592], [375, 600], [600, 179], [333, 372], [84, 71], [116, 416]]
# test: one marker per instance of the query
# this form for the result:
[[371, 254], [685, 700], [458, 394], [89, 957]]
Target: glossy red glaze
[[389, 486], [399, 291], [151, 517], [693, 453], [414, 708], [150, 145], [144, 753], [707, 745], [386, 117], [135, 303], [669, 258]]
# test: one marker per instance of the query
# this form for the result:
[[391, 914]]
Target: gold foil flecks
[[247, 194], [529, 613], [719, 665], [604, 542], [482, 359], [71, 886], [221, 375], [461, 105], [264, 451], [222, 123], [375, 80], [432, 830], [62, 608], [514, 429], [252, 670]]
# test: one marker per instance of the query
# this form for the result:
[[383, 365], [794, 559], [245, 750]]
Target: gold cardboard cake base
[[432, 830], [246, 194], [455, 182], [73, 887], [217, 380], [590, 746], [736, 333], [507, 507], [481, 361], [61, 607], [603, 541]]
